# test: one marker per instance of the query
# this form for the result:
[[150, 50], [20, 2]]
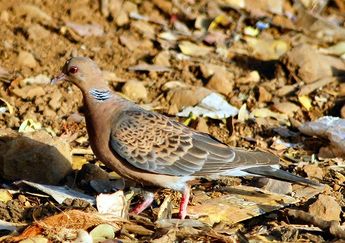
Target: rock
[[39, 79], [264, 95], [37, 32], [130, 42], [252, 77], [313, 171], [32, 12], [202, 125], [122, 18], [135, 90], [49, 113], [325, 207], [280, 187], [342, 112], [220, 79], [29, 92], [4, 16], [35, 156], [306, 64], [162, 59], [209, 69], [26, 59], [183, 97], [86, 29], [221, 82], [286, 89], [55, 103], [118, 9], [106, 185], [145, 28], [341, 89], [286, 107], [91, 172]]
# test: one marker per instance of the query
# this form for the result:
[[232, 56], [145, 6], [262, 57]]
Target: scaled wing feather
[[153, 142]]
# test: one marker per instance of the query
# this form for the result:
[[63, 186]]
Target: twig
[[333, 227]]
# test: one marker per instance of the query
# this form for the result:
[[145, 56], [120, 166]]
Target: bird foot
[[184, 203], [148, 199]]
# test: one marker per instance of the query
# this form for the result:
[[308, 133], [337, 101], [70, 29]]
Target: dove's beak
[[58, 78]]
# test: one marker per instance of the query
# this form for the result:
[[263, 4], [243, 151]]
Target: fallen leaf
[[244, 202], [329, 127], [5, 196], [8, 105], [305, 102], [102, 232], [114, 204], [265, 112], [60, 193], [213, 106]]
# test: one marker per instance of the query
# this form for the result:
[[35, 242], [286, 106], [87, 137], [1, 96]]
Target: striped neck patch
[[100, 95]]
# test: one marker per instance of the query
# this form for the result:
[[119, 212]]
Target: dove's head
[[83, 72]]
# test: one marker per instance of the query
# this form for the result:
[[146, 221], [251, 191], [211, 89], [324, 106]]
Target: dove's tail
[[274, 173]]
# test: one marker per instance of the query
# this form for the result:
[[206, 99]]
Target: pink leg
[[148, 199], [184, 203]]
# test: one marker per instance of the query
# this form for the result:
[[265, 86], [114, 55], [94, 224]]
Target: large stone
[[326, 208], [135, 90], [221, 82], [26, 59], [36, 157]]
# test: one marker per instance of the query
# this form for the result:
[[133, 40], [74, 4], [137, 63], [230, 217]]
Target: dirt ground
[[280, 63]]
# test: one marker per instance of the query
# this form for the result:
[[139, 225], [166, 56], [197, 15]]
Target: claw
[[148, 199]]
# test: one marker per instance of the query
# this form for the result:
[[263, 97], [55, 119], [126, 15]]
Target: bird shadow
[[265, 68]]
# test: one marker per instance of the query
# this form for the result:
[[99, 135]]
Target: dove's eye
[[73, 70]]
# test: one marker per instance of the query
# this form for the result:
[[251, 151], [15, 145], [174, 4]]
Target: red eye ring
[[73, 69]]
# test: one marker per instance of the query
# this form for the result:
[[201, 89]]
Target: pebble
[[29, 92], [91, 172], [162, 59], [202, 125], [33, 12], [37, 32], [221, 82], [183, 97], [55, 103], [4, 16], [135, 90], [130, 42], [264, 95], [313, 171], [288, 108], [26, 59], [286, 89], [280, 187], [326, 208], [252, 77]]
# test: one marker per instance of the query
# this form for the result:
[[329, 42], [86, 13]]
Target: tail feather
[[278, 174]]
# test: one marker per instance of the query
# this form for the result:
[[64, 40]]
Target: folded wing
[[153, 142]]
